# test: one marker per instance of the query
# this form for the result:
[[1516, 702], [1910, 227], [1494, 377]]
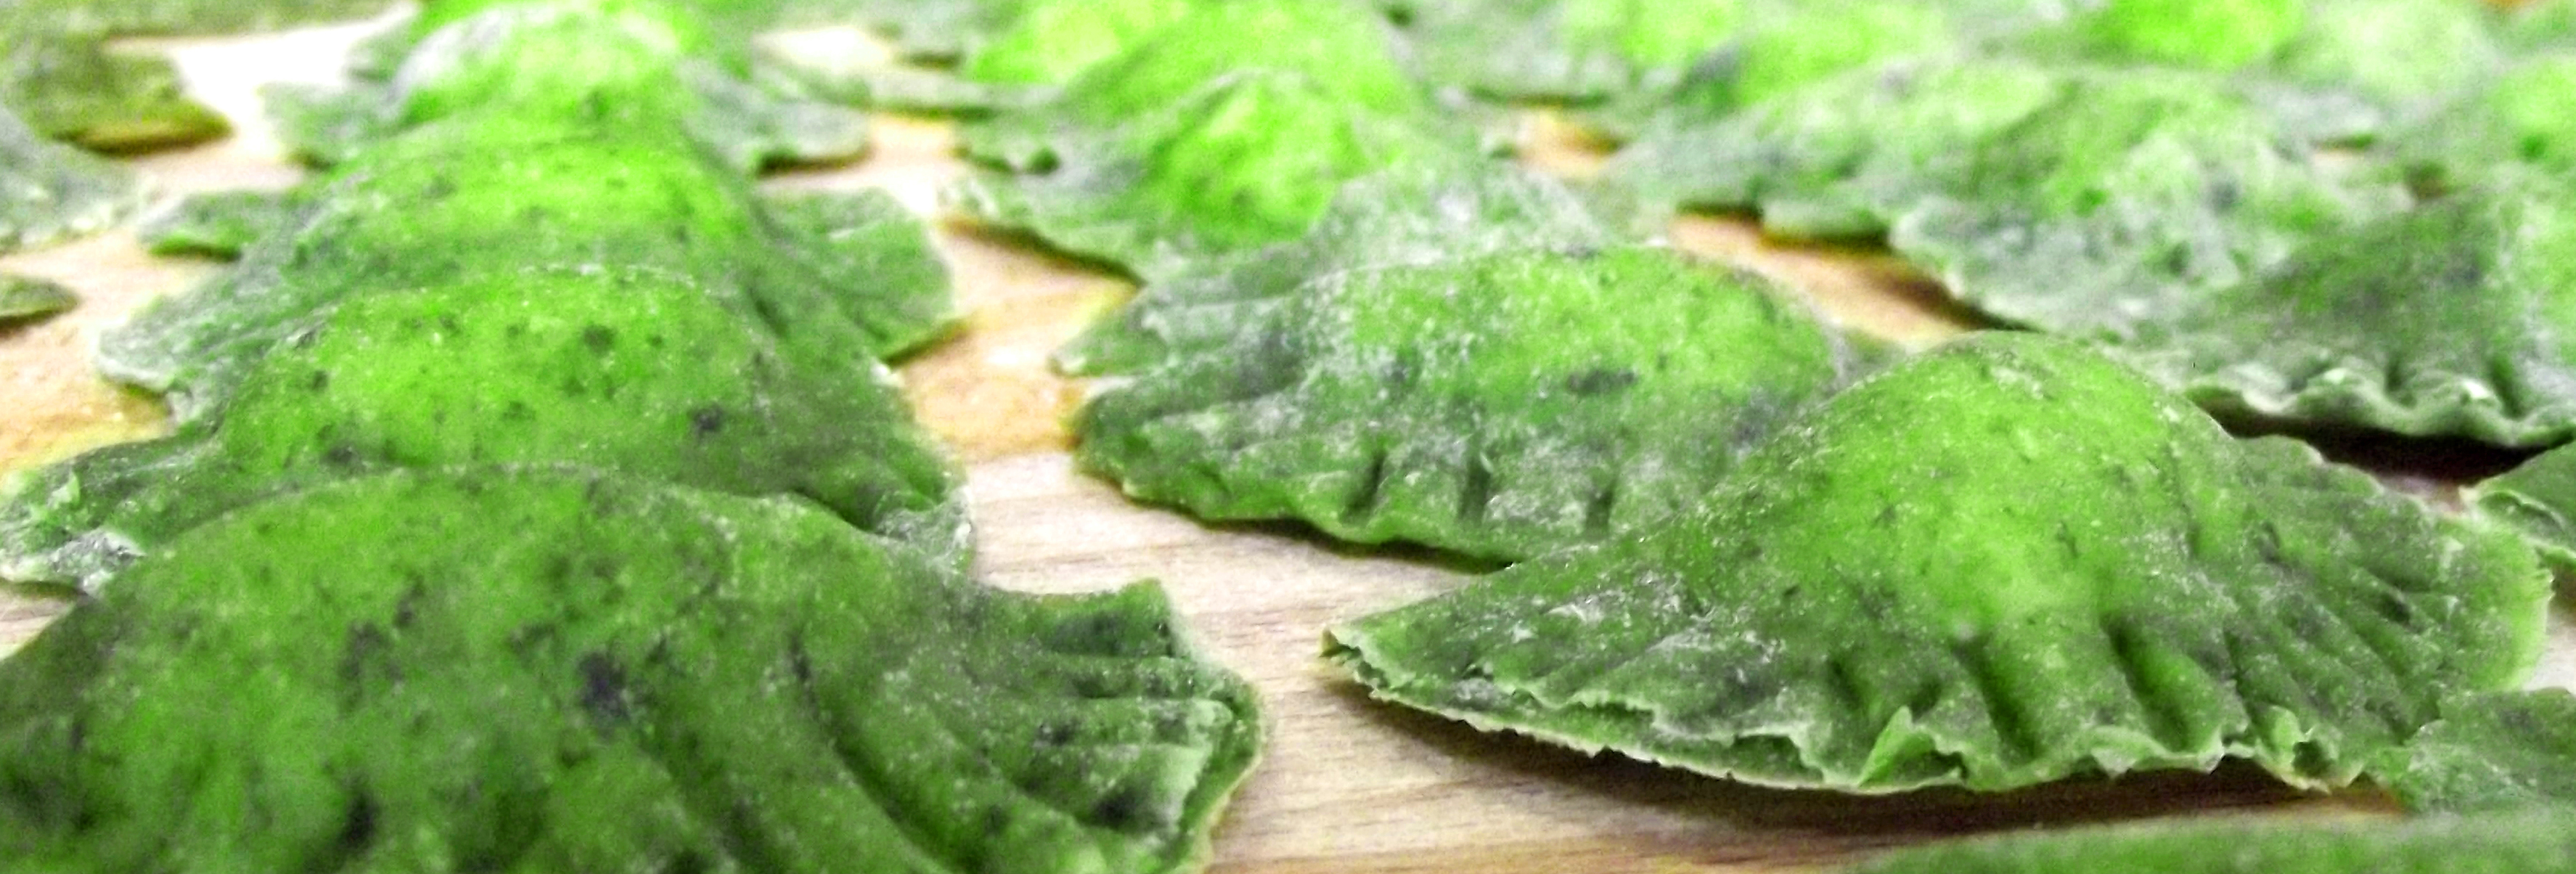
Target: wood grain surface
[[1348, 785]]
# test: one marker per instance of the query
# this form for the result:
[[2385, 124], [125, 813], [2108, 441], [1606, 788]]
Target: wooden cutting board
[[1348, 785]]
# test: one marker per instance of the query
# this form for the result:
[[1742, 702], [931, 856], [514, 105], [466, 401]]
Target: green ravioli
[[553, 670], [635, 372], [1343, 53], [1840, 156], [1213, 136], [2131, 196], [2068, 198], [56, 68], [67, 86], [2001, 563], [1569, 50], [1783, 46], [1407, 216], [22, 298], [2538, 499], [2498, 751], [1844, 156], [1474, 379], [2448, 320], [1803, 42], [475, 199], [646, 64], [50, 191], [2517, 121], [221, 224], [1251, 160], [1044, 44], [2527, 842]]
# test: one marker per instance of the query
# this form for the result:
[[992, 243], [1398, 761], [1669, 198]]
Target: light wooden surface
[[1348, 785]]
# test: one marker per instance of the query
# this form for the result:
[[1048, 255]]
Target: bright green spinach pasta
[[1999, 564]]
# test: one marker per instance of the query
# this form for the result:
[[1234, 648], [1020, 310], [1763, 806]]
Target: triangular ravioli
[[59, 72], [474, 199], [69, 87], [2447, 320], [1840, 157], [22, 298], [647, 64], [1347, 53], [2540, 841], [223, 224], [2066, 198], [2001, 563], [1250, 160], [1404, 217], [2131, 196], [50, 191], [638, 372], [1022, 57], [558, 670], [1783, 46], [1492, 376], [1209, 138]]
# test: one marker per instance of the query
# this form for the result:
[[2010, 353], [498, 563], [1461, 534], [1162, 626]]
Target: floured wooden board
[[1348, 785]]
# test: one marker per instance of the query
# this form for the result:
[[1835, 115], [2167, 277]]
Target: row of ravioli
[[72, 98], [538, 500], [1736, 540], [2334, 213], [2338, 214]]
